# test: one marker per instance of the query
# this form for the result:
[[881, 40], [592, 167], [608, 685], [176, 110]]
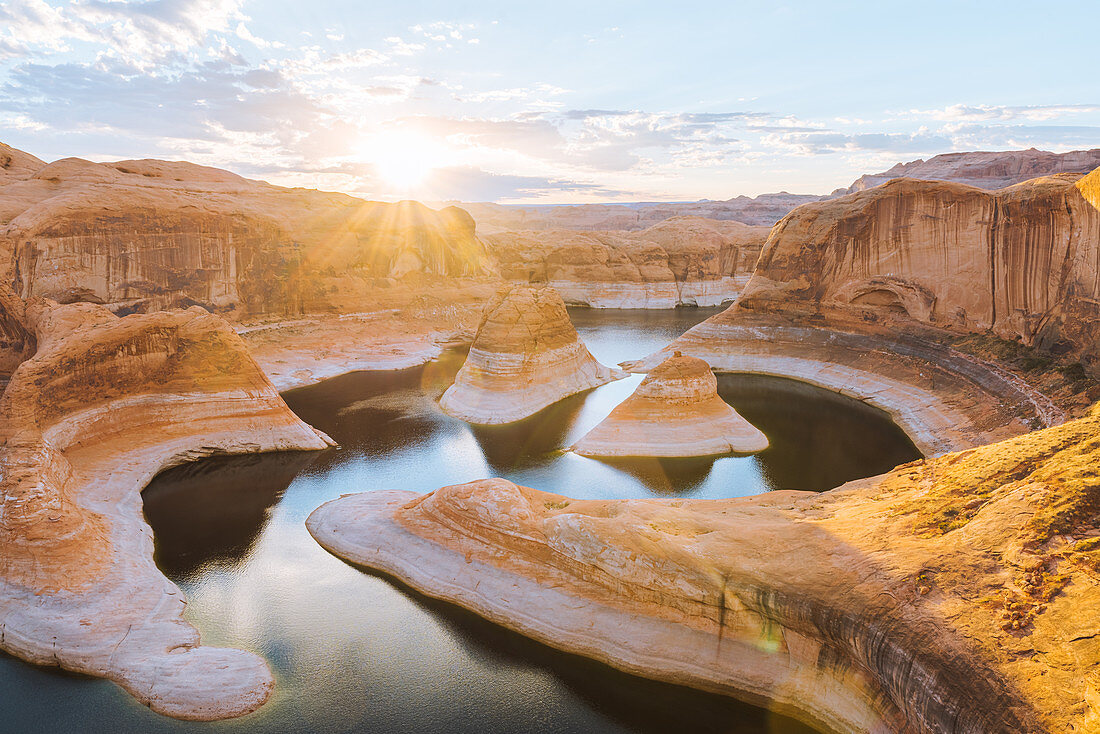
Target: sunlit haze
[[552, 102]]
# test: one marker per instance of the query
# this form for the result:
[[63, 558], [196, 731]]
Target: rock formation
[[675, 411], [986, 170], [949, 595], [143, 235], [682, 261], [100, 407], [526, 355], [1020, 262]]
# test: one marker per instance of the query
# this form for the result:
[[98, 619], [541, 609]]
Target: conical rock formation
[[676, 411], [526, 355]]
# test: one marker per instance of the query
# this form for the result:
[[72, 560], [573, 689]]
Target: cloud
[[466, 183], [981, 112], [828, 141], [140, 33]]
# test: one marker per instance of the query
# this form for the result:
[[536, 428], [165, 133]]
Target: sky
[[559, 102]]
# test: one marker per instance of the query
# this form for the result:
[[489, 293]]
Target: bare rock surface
[[682, 261], [1020, 262], [950, 595], [526, 355], [102, 405], [675, 411], [147, 234], [986, 170]]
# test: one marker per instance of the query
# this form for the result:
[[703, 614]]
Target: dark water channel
[[354, 652]]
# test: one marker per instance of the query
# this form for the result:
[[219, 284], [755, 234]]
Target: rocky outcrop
[[1020, 262], [950, 595], [143, 235], [675, 411], [104, 404], [683, 261], [526, 355], [985, 170]]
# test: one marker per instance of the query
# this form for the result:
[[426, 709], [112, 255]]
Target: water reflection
[[213, 511]]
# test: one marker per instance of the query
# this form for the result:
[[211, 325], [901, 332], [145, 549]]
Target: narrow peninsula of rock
[[526, 356], [676, 411], [100, 405]]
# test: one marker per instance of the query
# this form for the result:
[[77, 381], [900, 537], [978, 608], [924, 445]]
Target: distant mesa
[[676, 411], [526, 356]]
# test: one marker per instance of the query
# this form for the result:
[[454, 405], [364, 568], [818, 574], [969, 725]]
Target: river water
[[355, 652]]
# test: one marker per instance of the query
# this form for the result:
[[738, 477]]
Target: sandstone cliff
[[986, 170], [526, 356], [954, 595], [680, 261], [1021, 262], [148, 234], [101, 406], [675, 411]]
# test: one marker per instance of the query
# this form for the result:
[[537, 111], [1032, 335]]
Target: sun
[[403, 160]]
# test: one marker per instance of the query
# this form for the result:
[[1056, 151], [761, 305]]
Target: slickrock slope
[[986, 170], [104, 404], [143, 235], [526, 355], [682, 261], [675, 411], [950, 595]]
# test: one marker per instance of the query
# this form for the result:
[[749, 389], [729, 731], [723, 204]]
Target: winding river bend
[[354, 652]]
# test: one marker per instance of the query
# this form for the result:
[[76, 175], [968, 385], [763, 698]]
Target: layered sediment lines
[[526, 356], [675, 411], [144, 235], [943, 399], [682, 261], [102, 405], [949, 595], [1022, 262]]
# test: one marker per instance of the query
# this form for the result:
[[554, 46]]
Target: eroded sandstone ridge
[[675, 411], [148, 234], [100, 407], [682, 261], [955, 594], [526, 355]]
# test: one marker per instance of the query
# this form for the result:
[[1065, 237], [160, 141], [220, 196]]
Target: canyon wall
[[143, 235], [680, 261], [1021, 262]]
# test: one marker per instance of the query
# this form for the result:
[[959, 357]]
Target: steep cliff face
[[1021, 261], [143, 235], [101, 406], [949, 596], [681, 261]]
